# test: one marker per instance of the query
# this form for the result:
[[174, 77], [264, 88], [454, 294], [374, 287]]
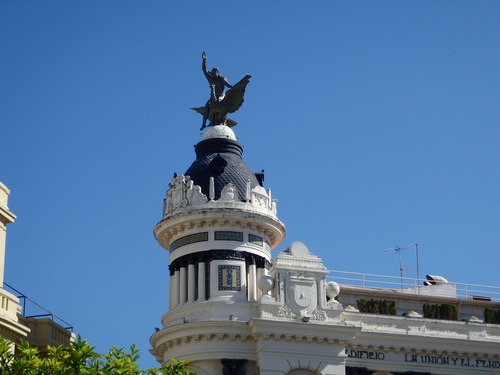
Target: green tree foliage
[[78, 359], [377, 306], [440, 311], [491, 316]]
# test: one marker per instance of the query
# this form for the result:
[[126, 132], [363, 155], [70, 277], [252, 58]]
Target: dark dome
[[220, 158]]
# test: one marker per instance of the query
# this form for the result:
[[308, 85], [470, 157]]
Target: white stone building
[[235, 310]]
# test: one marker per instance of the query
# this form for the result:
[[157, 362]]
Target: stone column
[[171, 272], [201, 280], [182, 285], [191, 287], [252, 280], [175, 288]]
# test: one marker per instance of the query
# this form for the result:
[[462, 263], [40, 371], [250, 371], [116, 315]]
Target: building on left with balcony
[[40, 331]]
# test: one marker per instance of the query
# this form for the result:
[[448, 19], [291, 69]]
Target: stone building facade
[[233, 309]]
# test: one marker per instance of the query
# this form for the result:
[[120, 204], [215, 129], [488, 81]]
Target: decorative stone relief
[[318, 315], [269, 308], [300, 287], [194, 194], [176, 195], [229, 193], [184, 194], [260, 197], [274, 208], [286, 312], [302, 295]]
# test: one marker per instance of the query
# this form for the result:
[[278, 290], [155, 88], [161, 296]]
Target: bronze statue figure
[[221, 103], [214, 79]]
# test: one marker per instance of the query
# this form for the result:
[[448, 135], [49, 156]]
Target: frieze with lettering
[[364, 354], [451, 361], [426, 359]]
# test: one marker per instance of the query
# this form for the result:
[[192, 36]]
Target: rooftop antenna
[[401, 269]]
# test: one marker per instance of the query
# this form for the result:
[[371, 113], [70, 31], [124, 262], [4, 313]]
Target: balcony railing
[[35, 309], [415, 286]]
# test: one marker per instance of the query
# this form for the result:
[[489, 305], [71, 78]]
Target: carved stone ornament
[[176, 195], [260, 197], [184, 194], [286, 312], [229, 193], [302, 295], [300, 286], [318, 315], [194, 194]]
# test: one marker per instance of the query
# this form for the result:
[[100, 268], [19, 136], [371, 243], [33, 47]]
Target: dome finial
[[219, 131]]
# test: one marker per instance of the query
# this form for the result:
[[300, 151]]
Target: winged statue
[[221, 102]]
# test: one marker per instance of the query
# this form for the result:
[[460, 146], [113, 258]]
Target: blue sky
[[377, 124]]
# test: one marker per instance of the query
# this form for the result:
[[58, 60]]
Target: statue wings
[[216, 111], [234, 96]]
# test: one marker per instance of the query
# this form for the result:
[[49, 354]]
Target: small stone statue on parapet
[[221, 103]]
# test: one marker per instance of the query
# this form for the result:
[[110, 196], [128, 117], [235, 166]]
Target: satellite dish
[[298, 249]]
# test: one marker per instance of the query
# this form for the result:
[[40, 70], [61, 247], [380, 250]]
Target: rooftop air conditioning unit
[[434, 280]]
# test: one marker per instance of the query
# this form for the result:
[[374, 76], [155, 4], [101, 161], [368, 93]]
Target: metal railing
[[33, 305], [415, 286]]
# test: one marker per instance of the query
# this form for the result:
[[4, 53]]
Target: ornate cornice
[[14, 330], [6, 217], [199, 333], [214, 338], [167, 230]]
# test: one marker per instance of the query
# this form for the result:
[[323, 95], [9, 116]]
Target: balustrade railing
[[416, 286]]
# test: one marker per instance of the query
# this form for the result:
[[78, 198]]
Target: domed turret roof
[[221, 159]]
